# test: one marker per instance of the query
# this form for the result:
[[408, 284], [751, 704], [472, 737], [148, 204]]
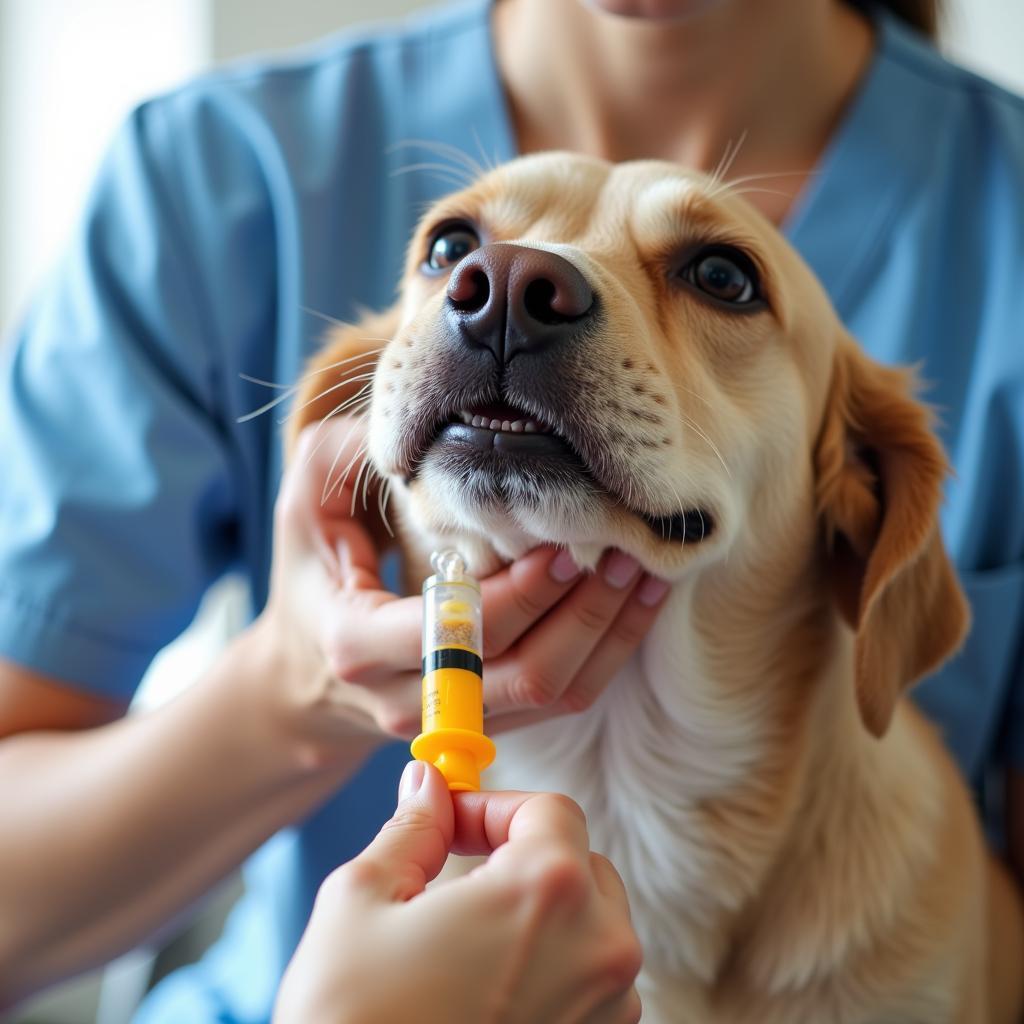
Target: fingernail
[[620, 569], [651, 591], [563, 568], [412, 778]]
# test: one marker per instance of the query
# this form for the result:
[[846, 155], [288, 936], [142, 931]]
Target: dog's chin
[[513, 497], [485, 490]]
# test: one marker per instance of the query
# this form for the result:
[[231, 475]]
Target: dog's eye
[[724, 273], [450, 245]]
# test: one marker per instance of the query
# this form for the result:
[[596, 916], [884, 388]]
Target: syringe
[[453, 706]]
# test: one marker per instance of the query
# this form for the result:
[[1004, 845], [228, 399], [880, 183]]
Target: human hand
[[553, 637], [539, 932]]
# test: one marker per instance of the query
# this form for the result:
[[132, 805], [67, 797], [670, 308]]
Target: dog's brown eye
[[450, 245], [724, 273]]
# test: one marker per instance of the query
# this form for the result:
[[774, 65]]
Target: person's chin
[[653, 10]]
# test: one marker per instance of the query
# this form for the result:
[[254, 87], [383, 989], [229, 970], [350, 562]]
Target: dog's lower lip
[[691, 526], [502, 441]]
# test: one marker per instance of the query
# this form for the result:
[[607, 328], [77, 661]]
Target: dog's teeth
[[478, 421], [506, 426], [530, 427], [495, 424], [517, 426], [466, 418]]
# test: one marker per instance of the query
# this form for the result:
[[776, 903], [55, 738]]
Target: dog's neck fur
[[694, 763]]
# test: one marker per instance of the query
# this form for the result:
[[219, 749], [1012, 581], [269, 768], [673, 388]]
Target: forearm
[[110, 832]]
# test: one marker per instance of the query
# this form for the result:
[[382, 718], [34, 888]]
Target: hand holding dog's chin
[[343, 653]]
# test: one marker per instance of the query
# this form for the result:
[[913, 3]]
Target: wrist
[[286, 689]]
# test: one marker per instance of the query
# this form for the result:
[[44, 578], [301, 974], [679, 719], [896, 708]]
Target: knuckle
[[345, 660], [345, 667], [527, 604], [632, 1010], [578, 699], [357, 875], [564, 805], [629, 631], [593, 620], [534, 689], [624, 958], [560, 878], [398, 720]]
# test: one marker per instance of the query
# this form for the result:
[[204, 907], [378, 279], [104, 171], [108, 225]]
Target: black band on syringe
[[453, 657]]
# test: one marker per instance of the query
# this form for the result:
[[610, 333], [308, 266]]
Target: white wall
[[988, 35], [68, 73]]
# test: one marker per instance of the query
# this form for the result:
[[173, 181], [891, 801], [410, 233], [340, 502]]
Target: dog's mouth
[[495, 436]]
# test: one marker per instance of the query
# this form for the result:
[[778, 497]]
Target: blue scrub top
[[228, 209]]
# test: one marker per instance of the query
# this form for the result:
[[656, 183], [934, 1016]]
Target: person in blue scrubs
[[229, 209]]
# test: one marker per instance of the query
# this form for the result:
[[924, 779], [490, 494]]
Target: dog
[[631, 356]]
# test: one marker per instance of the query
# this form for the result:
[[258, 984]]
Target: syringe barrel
[[453, 720]]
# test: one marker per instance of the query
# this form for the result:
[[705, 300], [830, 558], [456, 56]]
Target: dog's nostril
[[469, 292], [547, 303], [538, 302]]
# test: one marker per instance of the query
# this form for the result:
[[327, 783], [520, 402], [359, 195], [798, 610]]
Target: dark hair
[[920, 14]]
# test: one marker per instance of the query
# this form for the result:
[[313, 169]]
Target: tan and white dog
[[631, 356]]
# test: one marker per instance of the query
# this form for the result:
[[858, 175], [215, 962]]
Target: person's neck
[[776, 74]]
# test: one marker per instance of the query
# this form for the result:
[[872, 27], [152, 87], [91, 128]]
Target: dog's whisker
[[383, 493], [762, 191], [682, 508], [360, 474], [320, 426], [290, 389], [350, 404], [272, 404], [323, 394], [450, 174], [355, 405], [326, 317], [728, 186], [690, 391], [489, 162], [711, 444], [728, 158], [360, 458], [328, 487], [445, 150], [339, 484], [268, 383]]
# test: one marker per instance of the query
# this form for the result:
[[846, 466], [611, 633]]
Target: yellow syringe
[[453, 704]]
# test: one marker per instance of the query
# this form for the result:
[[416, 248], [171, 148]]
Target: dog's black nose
[[512, 299]]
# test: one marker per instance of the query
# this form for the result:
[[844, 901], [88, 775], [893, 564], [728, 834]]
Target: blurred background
[[70, 70]]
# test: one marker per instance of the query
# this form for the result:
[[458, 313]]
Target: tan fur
[[830, 864]]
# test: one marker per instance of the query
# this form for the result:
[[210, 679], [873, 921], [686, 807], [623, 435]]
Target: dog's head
[[631, 356]]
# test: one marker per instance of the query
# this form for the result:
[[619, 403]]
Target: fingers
[[327, 460], [484, 821], [412, 847], [518, 595], [609, 881], [373, 635], [569, 657]]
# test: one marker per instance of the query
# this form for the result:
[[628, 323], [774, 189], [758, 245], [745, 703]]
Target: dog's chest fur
[[696, 777], [667, 766]]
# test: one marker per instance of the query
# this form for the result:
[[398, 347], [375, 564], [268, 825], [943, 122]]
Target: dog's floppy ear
[[337, 378], [880, 470]]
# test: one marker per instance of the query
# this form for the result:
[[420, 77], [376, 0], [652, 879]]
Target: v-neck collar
[[866, 170]]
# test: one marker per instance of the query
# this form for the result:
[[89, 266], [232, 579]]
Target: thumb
[[412, 847]]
